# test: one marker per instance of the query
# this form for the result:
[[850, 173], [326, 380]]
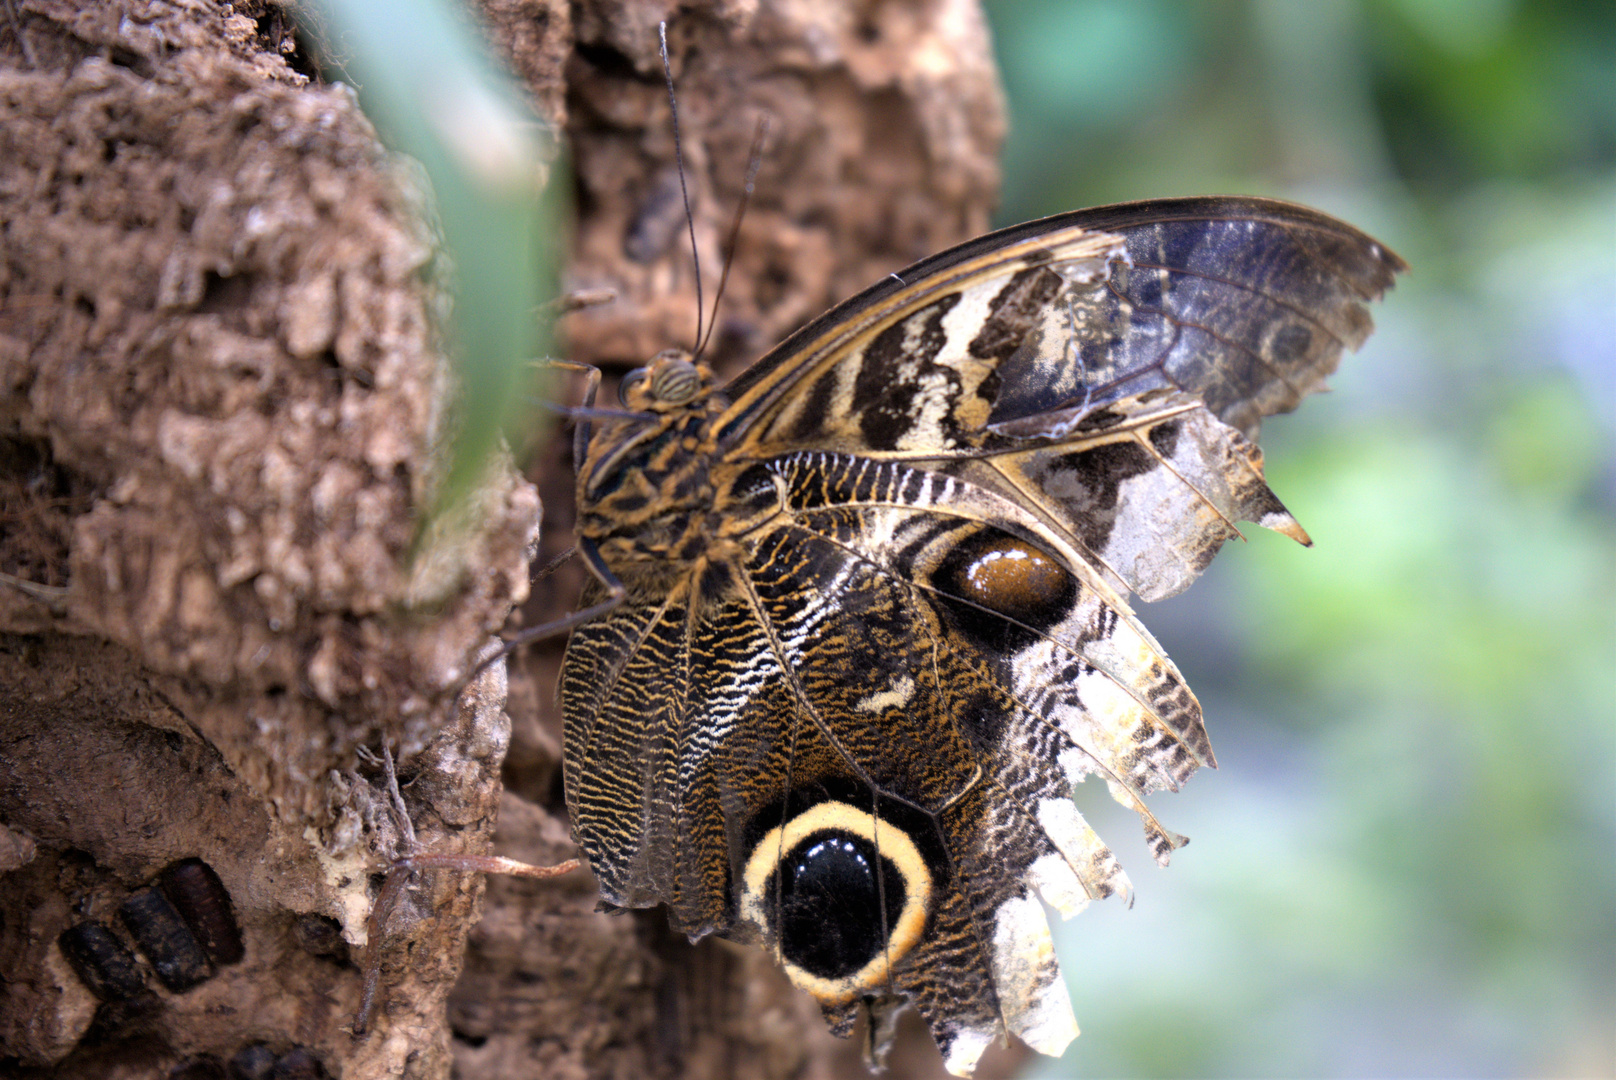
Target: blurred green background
[[1406, 865]]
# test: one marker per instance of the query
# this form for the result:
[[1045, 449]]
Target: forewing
[[1108, 367], [1245, 303], [1150, 485]]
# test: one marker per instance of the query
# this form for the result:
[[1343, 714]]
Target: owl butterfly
[[862, 618]]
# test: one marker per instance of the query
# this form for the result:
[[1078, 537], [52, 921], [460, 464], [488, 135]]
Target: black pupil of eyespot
[[830, 917]]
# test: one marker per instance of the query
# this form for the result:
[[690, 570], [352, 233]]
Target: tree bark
[[222, 391]]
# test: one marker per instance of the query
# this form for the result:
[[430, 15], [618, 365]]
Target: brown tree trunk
[[221, 391]]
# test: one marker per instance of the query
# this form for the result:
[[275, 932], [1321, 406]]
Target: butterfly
[[860, 618]]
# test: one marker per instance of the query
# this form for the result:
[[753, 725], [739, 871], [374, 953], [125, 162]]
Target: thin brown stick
[[399, 875]]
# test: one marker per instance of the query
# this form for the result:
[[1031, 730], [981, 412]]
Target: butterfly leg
[[615, 592]]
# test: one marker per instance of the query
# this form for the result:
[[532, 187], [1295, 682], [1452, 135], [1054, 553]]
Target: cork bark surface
[[222, 385]]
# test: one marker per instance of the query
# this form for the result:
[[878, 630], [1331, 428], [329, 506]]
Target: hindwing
[[875, 621]]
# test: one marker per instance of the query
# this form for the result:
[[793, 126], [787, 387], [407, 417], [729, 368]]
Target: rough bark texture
[[220, 392]]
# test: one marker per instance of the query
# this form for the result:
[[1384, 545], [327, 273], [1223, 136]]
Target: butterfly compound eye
[[842, 894], [674, 380]]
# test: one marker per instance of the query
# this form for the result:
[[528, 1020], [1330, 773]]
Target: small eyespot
[[1012, 590]]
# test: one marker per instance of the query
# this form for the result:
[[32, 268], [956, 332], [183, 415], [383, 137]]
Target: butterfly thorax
[[645, 490]]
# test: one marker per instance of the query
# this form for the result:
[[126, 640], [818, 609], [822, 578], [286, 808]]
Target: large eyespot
[[842, 894]]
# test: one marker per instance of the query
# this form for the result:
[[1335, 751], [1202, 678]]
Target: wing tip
[[1282, 523]]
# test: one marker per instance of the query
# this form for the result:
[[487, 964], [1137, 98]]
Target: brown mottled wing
[[845, 675], [849, 728], [1245, 303]]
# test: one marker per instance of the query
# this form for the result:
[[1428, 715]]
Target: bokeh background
[[1406, 864]]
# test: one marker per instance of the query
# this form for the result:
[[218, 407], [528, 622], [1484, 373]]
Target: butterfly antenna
[[679, 160], [753, 162]]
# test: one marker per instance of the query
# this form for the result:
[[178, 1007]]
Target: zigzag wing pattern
[[874, 621], [621, 668]]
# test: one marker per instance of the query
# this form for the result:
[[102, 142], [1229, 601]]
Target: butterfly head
[[671, 381], [644, 470]]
